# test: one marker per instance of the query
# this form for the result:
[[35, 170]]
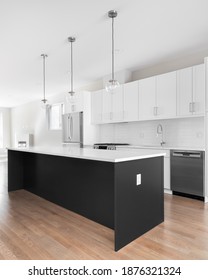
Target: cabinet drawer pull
[[190, 107], [193, 107], [155, 111], [125, 115]]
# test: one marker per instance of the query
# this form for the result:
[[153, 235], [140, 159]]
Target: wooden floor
[[33, 228]]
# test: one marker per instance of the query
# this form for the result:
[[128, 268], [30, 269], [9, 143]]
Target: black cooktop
[[111, 144]]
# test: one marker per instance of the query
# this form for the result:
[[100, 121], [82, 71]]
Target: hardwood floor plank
[[33, 228]]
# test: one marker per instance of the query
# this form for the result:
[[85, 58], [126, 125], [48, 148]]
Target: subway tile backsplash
[[186, 132]]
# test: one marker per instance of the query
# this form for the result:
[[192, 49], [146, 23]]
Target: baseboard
[[168, 191], [201, 198]]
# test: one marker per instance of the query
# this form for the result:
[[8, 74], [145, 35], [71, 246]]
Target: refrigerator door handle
[[69, 127]]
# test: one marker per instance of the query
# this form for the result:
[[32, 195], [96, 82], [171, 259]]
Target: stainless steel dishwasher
[[187, 172]]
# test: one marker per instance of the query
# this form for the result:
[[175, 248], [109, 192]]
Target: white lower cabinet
[[167, 172]]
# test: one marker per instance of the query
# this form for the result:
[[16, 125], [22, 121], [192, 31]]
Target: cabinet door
[[117, 105], [96, 104], [167, 173], [131, 101], [166, 95], [199, 89], [106, 107], [147, 98], [74, 104], [184, 91]]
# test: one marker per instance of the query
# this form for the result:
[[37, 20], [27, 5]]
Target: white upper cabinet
[[117, 105], [131, 101], [147, 98], [166, 95], [191, 91], [170, 95], [157, 97], [106, 107], [110, 106], [75, 104], [96, 105], [184, 91], [198, 89]]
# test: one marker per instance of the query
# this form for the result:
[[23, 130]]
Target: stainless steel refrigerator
[[72, 128]]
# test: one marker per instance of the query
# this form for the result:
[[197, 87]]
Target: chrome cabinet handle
[[125, 115], [190, 107], [73, 106], [155, 111], [111, 115], [70, 128], [193, 107]]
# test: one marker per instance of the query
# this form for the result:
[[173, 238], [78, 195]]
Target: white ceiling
[[147, 32]]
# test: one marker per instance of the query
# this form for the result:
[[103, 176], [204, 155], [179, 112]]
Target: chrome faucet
[[160, 131]]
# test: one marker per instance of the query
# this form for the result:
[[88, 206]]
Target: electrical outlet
[[199, 134], [138, 179]]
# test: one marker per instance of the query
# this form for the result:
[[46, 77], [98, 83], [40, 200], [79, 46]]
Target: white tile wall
[[187, 132], [107, 133]]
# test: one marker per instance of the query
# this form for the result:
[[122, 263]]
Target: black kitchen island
[[120, 190]]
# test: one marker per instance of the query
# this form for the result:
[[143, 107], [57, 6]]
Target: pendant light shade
[[44, 101], [71, 97], [112, 84]]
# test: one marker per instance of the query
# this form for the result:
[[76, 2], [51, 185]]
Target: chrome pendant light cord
[[71, 67], [71, 40], [112, 49], [44, 57], [112, 84]]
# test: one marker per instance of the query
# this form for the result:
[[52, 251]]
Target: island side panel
[[15, 170], [138, 208], [82, 186]]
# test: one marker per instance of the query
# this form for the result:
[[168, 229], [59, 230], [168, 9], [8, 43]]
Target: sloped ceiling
[[146, 32]]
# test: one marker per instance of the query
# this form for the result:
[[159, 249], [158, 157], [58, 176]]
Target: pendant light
[[71, 98], [44, 100], [112, 84]]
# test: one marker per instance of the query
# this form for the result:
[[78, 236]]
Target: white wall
[[31, 118], [171, 65], [6, 126], [186, 132]]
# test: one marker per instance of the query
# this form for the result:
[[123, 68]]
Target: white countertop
[[163, 147], [94, 154]]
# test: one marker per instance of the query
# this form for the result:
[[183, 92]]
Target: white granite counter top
[[94, 154], [162, 147]]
